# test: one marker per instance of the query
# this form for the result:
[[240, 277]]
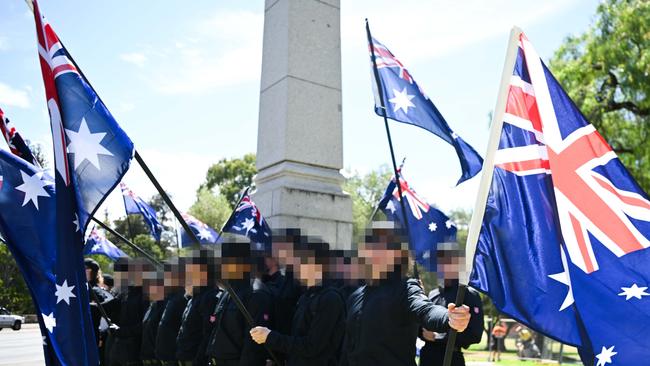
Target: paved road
[[21, 348]]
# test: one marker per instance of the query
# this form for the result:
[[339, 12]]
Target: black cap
[[108, 280], [92, 264]]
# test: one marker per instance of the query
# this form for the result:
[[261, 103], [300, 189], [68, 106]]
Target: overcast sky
[[182, 78]]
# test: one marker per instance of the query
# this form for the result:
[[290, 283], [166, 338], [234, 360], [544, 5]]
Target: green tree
[[606, 71], [213, 209], [365, 191], [229, 176], [14, 295]]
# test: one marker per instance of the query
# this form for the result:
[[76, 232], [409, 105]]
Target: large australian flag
[[53, 269], [97, 243], [406, 102], [133, 204], [91, 154], [247, 220], [201, 230], [427, 226], [564, 241]]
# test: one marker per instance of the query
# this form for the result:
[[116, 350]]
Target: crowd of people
[[295, 302]]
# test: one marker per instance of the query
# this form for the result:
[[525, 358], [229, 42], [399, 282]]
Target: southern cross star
[[32, 187], [633, 291], [64, 292], [605, 356]]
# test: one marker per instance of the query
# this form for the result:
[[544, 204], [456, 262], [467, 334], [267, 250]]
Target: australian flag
[[97, 243], [247, 220], [53, 269], [15, 141], [406, 102], [201, 230], [427, 226], [91, 154], [136, 205], [563, 246]]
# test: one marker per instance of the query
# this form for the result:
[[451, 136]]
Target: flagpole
[[390, 140], [128, 242], [486, 179]]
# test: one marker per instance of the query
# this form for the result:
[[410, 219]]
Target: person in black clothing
[[230, 342], [154, 290], [319, 321], [127, 312], [450, 262], [383, 316], [97, 295], [197, 323], [176, 298]]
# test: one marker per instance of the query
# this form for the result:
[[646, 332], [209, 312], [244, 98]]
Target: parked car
[[8, 320]]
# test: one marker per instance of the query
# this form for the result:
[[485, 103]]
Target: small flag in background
[[133, 204], [202, 231], [564, 241], [97, 243], [247, 220], [427, 225], [406, 102]]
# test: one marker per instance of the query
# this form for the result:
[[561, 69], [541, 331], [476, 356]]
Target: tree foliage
[[213, 209], [229, 176], [14, 295], [365, 191], [606, 71]]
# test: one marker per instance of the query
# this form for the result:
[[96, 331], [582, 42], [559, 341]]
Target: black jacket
[[383, 321], [196, 326], [169, 325], [128, 339], [317, 329], [150, 329], [433, 352], [230, 339], [286, 291]]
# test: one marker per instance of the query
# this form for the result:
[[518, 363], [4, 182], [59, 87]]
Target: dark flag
[[97, 243], [564, 240], [15, 141], [407, 103], [201, 230], [428, 226], [248, 221], [133, 204], [91, 154]]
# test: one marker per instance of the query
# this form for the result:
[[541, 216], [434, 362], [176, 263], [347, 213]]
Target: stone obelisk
[[300, 137]]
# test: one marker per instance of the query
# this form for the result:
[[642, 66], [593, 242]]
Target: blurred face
[[234, 269], [283, 251], [173, 278], [89, 274], [154, 290], [309, 273], [196, 275], [271, 265], [450, 264], [378, 260]]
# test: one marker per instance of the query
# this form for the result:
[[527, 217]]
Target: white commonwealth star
[[49, 322], [64, 292], [433, 226], [449, 224], [605, 356], [563, 277], [86, 145], [95, 247], [401, 100], [204, 234], [391, 206], [248, 224], [633, 291], [32, 187]]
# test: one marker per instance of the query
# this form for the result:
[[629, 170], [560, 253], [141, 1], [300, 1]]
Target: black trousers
[[434, 355]]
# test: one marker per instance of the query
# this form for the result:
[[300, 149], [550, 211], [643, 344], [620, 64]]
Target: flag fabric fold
[[17, 145], [406, 102], [201, 230]]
